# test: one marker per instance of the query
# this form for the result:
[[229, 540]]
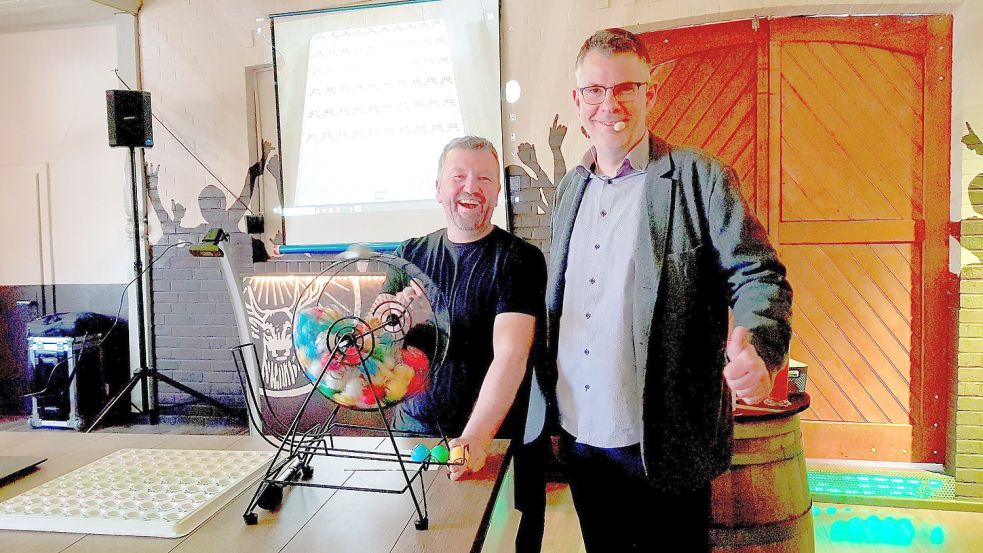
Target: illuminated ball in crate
[[379, 357]]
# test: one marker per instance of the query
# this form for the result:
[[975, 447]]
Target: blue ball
[[311, 351], [371, 366], [420, 453]]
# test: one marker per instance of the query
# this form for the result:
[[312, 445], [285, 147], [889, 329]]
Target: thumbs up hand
[[745, 371]]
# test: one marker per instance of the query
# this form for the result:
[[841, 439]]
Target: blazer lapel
[[660, 191], [565, 216]]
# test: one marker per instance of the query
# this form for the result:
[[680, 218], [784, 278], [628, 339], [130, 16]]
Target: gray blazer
[[700, 251]]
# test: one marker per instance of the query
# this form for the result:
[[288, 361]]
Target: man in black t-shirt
[[479, 281], [493, 284]]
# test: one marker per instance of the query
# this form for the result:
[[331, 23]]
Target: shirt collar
[[636, 161]]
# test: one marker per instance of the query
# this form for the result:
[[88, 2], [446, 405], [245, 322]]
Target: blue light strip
[[322, 249], [871, 485]]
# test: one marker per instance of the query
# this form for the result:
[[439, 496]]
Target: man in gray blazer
[[651, 244]]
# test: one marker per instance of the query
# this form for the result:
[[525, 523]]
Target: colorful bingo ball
[[367, 368], [309, 333], [416, 359], [457, 455], [420, 453], [440, 453]]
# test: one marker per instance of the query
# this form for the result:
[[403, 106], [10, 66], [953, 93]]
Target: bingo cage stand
[[297, 447]]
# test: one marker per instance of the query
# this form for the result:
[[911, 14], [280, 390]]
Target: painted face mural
[[270, 305], [271, 302]]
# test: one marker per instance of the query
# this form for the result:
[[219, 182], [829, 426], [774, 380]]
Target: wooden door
[[713, 96], [839, 130]]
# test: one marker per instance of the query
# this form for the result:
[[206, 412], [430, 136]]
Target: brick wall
[[531, 191], [193, 322], [969, 401], [193, 318], [969, 387]]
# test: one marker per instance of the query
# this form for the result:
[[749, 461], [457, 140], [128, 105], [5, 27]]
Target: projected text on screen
[[375, 98]]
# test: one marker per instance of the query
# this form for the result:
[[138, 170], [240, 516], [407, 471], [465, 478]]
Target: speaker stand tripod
[[147, 377]]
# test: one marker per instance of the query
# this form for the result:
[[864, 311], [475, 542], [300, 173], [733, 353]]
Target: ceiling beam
[[128, 6]]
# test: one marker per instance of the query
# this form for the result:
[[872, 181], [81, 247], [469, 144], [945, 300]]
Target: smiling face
[[468, 189], [599, 69]]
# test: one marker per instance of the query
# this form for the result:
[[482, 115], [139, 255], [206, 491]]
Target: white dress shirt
[[598, 391]]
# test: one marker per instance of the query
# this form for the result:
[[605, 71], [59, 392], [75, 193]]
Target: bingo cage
[[358, 356]]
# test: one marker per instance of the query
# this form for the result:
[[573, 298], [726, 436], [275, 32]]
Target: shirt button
[[603, 213], [593, 280], [586, 352], [597, 246], [588, 315], [586, 387]]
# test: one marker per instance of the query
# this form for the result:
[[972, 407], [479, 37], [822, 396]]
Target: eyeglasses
[[622, 92]]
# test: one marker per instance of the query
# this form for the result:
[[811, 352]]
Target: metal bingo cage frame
[[296, 445]]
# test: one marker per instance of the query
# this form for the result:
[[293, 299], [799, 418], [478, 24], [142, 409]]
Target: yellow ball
[[383, 377], [404, 372], [396, 390], [344, 399]]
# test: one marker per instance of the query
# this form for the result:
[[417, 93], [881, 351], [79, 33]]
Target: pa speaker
[[129, 117]]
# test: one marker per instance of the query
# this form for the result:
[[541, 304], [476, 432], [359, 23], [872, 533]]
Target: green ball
[[440, 453], [325, 389], [379, 353]]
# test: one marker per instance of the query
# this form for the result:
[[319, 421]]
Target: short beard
[[480, 223]]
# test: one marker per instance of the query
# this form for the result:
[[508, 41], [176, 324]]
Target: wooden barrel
[[762, 504]]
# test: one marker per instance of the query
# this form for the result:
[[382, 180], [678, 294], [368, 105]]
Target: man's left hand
[[745, 372], [476, 451]]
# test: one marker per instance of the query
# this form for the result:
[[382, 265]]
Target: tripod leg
[[125, 392]]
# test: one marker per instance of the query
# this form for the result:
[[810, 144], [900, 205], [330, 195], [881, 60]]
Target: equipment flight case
[[60, 364], [74, 369]]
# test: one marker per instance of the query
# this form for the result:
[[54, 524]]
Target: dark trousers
[[620, 510], [529, 464]]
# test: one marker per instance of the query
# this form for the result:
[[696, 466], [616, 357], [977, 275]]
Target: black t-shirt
[[499, 273]]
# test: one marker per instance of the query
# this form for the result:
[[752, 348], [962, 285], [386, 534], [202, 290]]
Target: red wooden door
[[838, 128], [713, 96]]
